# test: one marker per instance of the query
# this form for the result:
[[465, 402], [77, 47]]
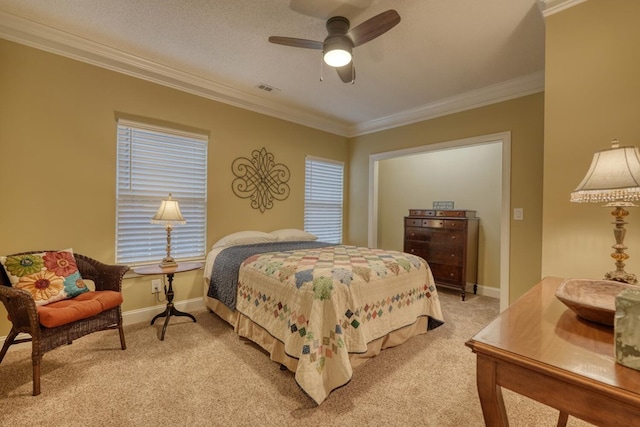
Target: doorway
[[470, 146]]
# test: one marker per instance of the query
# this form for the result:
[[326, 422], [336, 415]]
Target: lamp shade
[[614, 176], [168, 213]]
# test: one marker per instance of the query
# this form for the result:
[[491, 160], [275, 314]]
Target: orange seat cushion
[[81, 307]]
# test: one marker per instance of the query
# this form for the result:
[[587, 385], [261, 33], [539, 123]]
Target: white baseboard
[[147, 313], [488, 291], [133, 316]]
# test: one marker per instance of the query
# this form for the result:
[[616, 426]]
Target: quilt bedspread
[[325, 303]]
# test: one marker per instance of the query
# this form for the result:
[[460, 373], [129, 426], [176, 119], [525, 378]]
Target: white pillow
[[292, 234], [244, 238]]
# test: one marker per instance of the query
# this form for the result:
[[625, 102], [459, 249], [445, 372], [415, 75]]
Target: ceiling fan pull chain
[[321, 69]]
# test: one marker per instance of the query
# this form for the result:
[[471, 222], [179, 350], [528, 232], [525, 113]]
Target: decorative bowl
[[594, 300]]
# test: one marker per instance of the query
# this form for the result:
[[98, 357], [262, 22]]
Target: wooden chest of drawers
[[448, 241]]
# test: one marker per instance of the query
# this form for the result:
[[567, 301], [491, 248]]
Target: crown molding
[[550, 7], [49, 39], [504, 91], [43, 37]]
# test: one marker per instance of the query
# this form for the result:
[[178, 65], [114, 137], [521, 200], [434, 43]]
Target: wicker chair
[[24, 316]]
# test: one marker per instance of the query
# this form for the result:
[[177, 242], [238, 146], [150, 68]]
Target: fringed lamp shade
[[614, 176], [168, 214], [613, 179]]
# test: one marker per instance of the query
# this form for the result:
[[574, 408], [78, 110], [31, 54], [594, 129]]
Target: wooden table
[[541, 349], [170, 310]]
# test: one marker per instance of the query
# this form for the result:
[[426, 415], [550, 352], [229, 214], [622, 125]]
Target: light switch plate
[[518, 214]]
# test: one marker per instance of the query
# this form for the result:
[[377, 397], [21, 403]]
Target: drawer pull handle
[[413, 234], [453, 255], [451, 275], [413, 250]]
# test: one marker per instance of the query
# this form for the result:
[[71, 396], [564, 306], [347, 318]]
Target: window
[[323, 199], [153, 162]]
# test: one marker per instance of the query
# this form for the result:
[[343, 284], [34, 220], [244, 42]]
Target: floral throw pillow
[[47, 276]]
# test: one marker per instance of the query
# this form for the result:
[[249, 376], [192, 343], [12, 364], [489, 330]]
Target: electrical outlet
[[156, 286]]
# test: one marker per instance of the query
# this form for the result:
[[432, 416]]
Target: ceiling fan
[[340, 41]]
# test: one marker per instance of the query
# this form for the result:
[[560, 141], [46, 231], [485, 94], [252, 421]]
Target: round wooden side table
[[169, 272]]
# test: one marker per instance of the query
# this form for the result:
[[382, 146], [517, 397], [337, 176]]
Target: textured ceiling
[[441, 50]]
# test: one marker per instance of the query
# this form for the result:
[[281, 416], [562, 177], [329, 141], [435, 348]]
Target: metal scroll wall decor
[[260, 179]]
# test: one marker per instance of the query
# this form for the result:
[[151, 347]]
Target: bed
[[318, 309]]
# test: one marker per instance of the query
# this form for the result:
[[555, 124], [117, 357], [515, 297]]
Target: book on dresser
[[448, 241]]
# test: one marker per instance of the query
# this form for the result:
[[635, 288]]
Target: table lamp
[[614, 179], [168, 214]]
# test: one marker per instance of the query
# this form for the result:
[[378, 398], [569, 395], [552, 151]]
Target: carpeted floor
[[203, 374]]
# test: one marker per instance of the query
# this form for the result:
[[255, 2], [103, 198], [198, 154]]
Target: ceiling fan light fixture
[[337, 57], [337, 51]]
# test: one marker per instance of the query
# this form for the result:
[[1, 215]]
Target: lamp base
[[168, 262], [622, 276], [620, 256]]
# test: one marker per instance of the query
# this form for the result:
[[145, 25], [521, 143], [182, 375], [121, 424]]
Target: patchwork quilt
[[324, 303], [223, 284]]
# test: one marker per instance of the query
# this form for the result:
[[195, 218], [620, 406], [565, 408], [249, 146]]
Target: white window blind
[[323, 199], [153, 162]]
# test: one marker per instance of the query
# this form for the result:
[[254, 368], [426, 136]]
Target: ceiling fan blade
[[347, 73], [290, 41], [374, 27]]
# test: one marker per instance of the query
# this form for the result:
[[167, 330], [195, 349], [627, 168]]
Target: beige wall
[[470, 176], [592, 96], [524, 118], [58, 149]]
